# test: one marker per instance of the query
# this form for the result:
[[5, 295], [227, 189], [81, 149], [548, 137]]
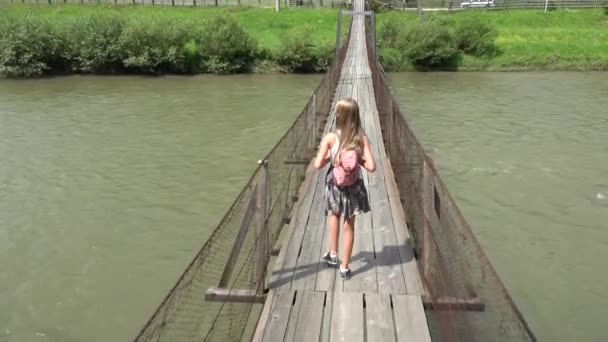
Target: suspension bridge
[[419, 274]]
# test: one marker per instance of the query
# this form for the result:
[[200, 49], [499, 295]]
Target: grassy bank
[[526, 39], [38, 40]]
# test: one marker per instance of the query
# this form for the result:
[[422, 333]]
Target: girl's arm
[[321, 158], [368, 159]]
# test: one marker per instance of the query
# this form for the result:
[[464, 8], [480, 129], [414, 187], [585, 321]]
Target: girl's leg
[[334, 232], [349, 239]]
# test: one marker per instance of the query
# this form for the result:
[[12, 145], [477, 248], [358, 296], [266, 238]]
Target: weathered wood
[[453, 304], [383, 263], [411, 272], [238, 242], [279, 316], [308, 259], [379, 317], [347, 317], [310, 317], [227, 295], [410, 319]]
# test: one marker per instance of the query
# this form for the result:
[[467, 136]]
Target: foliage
[[225, 46], [476, 37], [429, 46]]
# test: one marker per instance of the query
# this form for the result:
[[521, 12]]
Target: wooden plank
[[294, 316], [327, 314], [217, 294], [410, 319], [379, 317], [388, 260], [279, 316], [410, 267], [260, 329], [308, 260], [347, 317], [310, 318], [283, 274]]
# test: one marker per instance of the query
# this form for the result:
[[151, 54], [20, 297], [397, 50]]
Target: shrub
[[476, 37], [31, 46], [391, 60], [153, 44], [388, 35], [297, 52], [95, 42], [429, 46], [325, 55], [225, 46]]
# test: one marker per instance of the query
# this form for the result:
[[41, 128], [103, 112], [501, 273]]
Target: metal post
[[277, 5], [374, 28], [339, 30], [314, 119], [426, 190], [261, 244]]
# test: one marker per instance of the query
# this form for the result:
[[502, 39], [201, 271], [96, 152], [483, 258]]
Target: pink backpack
[[345, 173]]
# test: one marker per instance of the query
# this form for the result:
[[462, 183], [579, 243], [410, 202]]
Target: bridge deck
[[308, 301]]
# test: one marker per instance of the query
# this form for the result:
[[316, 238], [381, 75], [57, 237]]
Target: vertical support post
[[261, 244], [426, 191], [339, 30], [314, 120], [374, 28], [420, 14], [277, 5]]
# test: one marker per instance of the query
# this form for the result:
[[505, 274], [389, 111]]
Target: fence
[[468, 301], [189, 3], [481, 4], [232, 263]]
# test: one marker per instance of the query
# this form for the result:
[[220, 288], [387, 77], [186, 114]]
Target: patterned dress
[[344, 200]]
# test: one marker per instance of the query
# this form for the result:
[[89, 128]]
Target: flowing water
[[109, 185]]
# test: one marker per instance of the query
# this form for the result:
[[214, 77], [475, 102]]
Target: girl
[[345, 192]]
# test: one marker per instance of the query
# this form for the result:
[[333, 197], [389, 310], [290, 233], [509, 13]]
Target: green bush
[[476, 37], [153, 45], [389, 34], [298, 53], [225, 46], [392, 60], [429, 46], [31, 46], [95, 42]]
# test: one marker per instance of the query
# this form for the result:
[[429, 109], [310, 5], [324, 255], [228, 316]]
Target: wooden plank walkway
[[307, 300]]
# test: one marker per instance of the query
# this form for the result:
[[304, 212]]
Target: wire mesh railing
[[466, 299], [213, 299]]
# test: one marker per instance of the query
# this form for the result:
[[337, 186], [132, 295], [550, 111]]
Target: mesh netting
[[237, 253], [466, 299]]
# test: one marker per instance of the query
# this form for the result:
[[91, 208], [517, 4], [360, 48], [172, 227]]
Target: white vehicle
[[477, 3]]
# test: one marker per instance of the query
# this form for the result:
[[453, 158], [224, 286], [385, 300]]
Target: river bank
[[100, 39]]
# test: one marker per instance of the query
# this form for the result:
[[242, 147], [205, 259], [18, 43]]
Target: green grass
[[532, 40], [265, 25], [526, 40]]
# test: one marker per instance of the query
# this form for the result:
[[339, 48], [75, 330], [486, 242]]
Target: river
[[109, 185]]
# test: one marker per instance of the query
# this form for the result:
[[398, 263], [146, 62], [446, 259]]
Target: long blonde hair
[[348, 122]]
